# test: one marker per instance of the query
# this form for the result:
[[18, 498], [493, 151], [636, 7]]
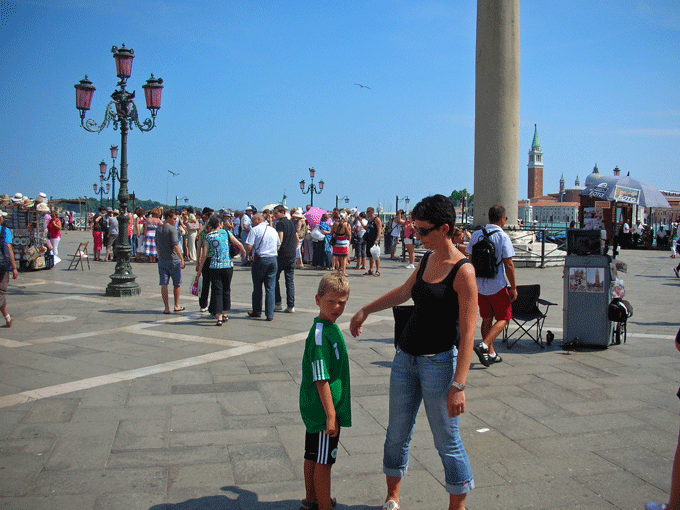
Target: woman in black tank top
[[433, 352]]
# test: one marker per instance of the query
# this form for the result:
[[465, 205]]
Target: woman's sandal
[[368, 272], [225, 318], [377, 273], [309, 505], [219, 322]]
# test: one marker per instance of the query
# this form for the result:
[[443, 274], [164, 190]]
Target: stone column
[[497, 109]]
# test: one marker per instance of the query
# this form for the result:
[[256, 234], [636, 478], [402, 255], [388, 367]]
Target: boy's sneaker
[[482, 354], [410, 266], [495, 359], [204, 309], [278, 308], [290, 309], [655, 506]]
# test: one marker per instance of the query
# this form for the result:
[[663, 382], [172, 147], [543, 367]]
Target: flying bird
[[363, 86], [173, 173]]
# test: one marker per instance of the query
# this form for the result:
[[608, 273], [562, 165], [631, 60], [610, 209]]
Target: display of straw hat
[[27, 203]]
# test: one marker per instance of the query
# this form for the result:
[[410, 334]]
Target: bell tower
[[535, 168]]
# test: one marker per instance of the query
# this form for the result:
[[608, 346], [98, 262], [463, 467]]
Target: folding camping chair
[[77, 258], [526, 314]]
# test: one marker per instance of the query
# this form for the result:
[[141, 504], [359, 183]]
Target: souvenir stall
[[26, 219]]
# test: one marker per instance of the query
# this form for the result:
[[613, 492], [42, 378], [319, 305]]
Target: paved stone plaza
[[106, 403]]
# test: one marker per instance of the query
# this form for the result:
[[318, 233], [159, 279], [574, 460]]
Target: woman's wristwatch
[[458, 386]]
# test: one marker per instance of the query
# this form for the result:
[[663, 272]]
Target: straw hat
[[297, 215], [18, 198], [42, 207], [3, 213], [27, 203], [192, 217], [5, 200]]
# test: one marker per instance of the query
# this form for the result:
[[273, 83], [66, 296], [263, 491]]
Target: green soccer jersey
[[325, 359]]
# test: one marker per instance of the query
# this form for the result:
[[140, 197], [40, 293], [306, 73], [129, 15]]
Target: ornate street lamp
[[399, 199], [122, 111], [101, 191], [113, 173], [311, 188], [177, 199], [337, 200]]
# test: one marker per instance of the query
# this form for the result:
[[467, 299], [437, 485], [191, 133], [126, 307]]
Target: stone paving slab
[[106, 403]]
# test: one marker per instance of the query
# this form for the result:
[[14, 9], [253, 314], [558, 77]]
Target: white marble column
[[497, 109]]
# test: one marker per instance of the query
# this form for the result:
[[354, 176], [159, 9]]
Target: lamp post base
[[122, 287], [123, 282]]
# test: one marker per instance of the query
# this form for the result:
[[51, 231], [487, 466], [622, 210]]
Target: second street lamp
[[177, 199], [122, 111], [101, 191], [311, 188], [337, 200], [113, 173]]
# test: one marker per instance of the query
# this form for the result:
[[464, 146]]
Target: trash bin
[[587, 279]]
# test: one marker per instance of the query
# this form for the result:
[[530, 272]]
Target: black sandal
[[219, 322]]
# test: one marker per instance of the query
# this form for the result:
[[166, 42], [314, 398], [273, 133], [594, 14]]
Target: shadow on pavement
[[244, 499]]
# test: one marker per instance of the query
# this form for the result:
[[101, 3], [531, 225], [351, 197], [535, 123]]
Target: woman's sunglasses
[[422, 232]]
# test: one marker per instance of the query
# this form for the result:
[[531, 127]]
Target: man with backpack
[[491, 252]]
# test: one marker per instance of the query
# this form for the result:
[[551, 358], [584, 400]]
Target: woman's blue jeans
[[428, 379]]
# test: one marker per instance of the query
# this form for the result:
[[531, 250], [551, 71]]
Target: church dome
[[593, 177]]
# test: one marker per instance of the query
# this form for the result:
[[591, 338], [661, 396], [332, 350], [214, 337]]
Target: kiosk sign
[[626, 195]]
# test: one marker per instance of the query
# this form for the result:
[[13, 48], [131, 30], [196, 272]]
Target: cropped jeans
[[428, 379]]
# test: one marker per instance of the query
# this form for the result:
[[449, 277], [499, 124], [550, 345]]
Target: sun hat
[[3, 213], [192, 217], [18, 197]]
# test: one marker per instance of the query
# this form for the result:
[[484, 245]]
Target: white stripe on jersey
[[318, 334], [319, 370]]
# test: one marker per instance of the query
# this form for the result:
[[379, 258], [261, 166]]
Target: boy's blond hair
[[333, 282]]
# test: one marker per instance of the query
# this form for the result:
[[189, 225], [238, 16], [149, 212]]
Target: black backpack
[[484, 256]]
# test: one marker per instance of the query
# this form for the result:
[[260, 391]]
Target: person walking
[[495, 297], [341, 233], [112, 221], [221, 267], [170, 260], [54, 233], [7, 265], [285, 259], [372, 238], [433, 353], [262, 245]]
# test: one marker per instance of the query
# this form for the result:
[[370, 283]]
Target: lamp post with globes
[[311, 188], [101, 191], [337, 200], [122, 111], [177, 199], [113, 173]]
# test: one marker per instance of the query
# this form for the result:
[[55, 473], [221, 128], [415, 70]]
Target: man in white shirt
[[262, 244]]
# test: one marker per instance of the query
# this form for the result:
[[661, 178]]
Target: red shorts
[[497, 306]]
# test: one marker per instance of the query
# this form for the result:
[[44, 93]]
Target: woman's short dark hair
[[214, 222], [438, 210]]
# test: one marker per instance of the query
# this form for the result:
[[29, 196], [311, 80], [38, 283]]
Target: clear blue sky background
[[256, 92]]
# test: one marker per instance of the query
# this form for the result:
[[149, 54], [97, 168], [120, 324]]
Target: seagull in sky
[[173, 173], [363, 86]]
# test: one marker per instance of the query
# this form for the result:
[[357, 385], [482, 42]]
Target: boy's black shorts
[[321, 448]]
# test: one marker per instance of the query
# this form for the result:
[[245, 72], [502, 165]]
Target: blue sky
[[258, 91]]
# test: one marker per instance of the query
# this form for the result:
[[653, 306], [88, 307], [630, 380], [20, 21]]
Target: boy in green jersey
[[324, 391]]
